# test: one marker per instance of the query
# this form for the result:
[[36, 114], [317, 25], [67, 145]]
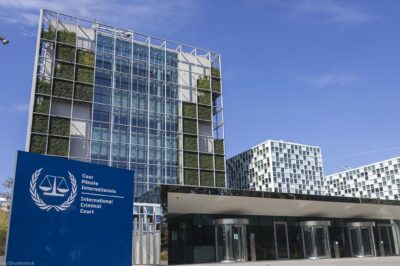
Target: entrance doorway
[[281, 240], [231, 240], [388, 239], [362, 243], [316, 239]]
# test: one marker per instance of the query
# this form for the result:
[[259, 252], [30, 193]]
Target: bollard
[[253, 247], [337, 251]]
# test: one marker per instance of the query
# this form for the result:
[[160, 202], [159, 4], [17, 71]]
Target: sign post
[[66, 212]]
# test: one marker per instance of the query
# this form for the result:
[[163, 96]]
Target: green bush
[[40, 123], [215, 72], [84, 74], [42, 104], [4, 219], [203, 97], [64, 71], [190, 177], [65, 53], [43, 86], [207, 178], [220, 179], [189, 109], [204, 113], [219, 162], [216, 85], [190, 142], [62, 88], [189, 126], [50, 34], [66, 37], [219, 146], [83, 92], [206, 161], [58, 146], [38, 144], [85, 57], [59, 126], [203, 83], [190, 159]]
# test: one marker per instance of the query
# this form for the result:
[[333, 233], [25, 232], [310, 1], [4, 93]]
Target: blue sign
[[67, 212]]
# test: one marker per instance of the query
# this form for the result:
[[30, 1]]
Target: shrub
[[189, 126], [206, 161], [215, 72], [62, 88], [85, 57], [84, 74], [190, 177], [190, 159], [65, 53], [58, 146], [42, 104], [203, 83], [204, 113], [203, 97], [220, 179], [207, 178], [3, 230], [189, 109], [64, 71], [219, 146], [38, 144], [219, 162], [43, 86], [40, 123], [59, 126], [190, 142], [50, 34], [216, 85], [83, 92], [66, 37]]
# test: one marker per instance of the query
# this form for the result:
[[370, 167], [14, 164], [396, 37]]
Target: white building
[[377, 180], [4, 203], [278, 166]]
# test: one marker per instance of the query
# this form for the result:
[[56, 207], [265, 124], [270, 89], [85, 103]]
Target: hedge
[[216, 85], [83, 92], [64, 71], [203, 83], [66, 37], [220, 179], [189, 109], [38, 144], [58, 146], [203, 97], [42, 104], [204, 113], [189, 126], [206, 178], [219, 162], [219, 146], [40, 123], [84, 74], [190, 142], [215, 72], [190, 159], [43, 87], [62, 88], [65, 53], [206, 161], [59, 126], [85, 57], [190, 177]]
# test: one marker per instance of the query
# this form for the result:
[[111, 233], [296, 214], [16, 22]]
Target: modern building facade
[[278, 166], [124, 99], [379, 180]]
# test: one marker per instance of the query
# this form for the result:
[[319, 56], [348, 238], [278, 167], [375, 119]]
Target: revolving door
[[388, 239], [362, 243], [231, 240], [316, 239]]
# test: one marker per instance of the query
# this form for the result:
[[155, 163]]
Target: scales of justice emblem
[[53, 186]]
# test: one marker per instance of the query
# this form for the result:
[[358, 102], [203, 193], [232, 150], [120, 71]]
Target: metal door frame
[[358, 226], [314, 225], [287, 241], [393, 253]]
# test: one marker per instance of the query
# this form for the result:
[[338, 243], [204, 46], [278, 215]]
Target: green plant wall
[[203, 83], [215, 72], [216, 85], [190, 177], [38, 144], [66, 37], [60, 126], [219, 162], [189, 126], [85, 57], [65, 53], [220, 179], [50, 34], [189, 142], [203, 97], [42, 104], [58, 146], [206, 161], [84, 74], [190, 159], [43, 86], [189, 109], [219, 146], [64, 71], [40, 123], [204, 112], [83, 92], [62, 88], [207, 178]]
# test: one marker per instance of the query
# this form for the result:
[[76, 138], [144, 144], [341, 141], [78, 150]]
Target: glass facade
[[128, 100]]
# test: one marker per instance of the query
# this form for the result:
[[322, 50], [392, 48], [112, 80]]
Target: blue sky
[[317, 72]]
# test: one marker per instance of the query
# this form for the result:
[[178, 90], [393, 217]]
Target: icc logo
[[52, 187]]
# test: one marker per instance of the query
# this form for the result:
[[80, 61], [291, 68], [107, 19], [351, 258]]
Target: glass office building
[[124, 99]]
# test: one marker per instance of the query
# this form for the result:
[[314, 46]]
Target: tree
[[3, 230], [8, 184]]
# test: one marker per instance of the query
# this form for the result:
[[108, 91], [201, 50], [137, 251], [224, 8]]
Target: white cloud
[[330, 79]]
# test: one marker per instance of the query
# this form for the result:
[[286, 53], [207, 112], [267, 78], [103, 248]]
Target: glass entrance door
[[281, 240], [361, 239], [388, 237], [316, 239]]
